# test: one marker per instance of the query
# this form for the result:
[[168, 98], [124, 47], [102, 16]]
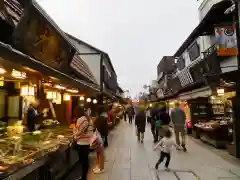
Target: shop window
[[194, 51]]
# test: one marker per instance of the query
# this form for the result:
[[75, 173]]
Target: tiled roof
[[12, 12]]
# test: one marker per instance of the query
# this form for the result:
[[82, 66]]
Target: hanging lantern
[[51, 95], [81, 98], [220, 92], [89, 100], [27, 90], [95, 101], [66, 97]]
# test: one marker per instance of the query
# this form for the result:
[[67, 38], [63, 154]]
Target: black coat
[[32, 118], [140, 121], [101, 124], [165, 118]]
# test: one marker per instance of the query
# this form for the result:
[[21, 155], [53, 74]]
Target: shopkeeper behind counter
[[33, 116]]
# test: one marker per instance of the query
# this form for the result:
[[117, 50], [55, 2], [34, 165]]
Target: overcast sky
[[135, 33]]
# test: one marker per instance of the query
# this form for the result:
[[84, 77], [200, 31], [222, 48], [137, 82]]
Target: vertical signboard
[[226, 40]]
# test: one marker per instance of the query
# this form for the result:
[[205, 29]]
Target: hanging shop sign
[[226, 40], [19, 74], [38, 38]]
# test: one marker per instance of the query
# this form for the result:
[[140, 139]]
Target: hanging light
[[2, 71], [89, 100], [66, 97], [95, 101], [81, 98]]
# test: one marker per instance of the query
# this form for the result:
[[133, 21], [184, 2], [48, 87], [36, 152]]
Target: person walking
[[165, 144], [178, 118], [148, 115], [82, 134], [140, 123], [102, 127], [165, 121], [130, 114]]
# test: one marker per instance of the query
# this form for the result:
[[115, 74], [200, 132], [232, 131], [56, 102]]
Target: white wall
[[205, 6], [229, 64], [93, 61], [107, 69]]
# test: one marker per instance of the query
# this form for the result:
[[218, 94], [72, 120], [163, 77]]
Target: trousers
[[163, 155]]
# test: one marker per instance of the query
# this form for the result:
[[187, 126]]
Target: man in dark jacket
[[33, 116], [140, 123]]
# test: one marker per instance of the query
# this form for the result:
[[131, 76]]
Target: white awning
[[196, 93]]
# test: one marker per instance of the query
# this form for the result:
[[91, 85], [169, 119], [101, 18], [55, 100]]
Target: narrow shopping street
[[129, 160]]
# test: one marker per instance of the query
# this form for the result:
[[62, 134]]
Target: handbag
[[96, 141]]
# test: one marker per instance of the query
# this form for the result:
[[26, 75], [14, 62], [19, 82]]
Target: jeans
[[83, 152], [163, 155]]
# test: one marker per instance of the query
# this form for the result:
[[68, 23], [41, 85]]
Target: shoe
[[98, 171], [96, 168], [178, 148], [141, 141], [184, 149], [167, 169], [156, 167]]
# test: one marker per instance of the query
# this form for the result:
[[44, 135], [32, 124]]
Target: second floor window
[[194, 51], [181, 63]]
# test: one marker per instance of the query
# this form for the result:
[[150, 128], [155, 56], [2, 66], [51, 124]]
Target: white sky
[[135, 33]]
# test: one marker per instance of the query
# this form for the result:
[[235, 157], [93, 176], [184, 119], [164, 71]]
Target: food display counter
[[44, 155], [213, 132]]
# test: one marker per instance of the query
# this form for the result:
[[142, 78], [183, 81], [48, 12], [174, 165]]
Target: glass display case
[[19, 151]]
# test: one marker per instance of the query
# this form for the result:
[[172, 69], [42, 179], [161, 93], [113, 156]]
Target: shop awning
[[201, 92], [18, 58]]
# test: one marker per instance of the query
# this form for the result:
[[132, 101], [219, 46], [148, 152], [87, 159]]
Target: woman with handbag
[[82, 133], [101, 132]]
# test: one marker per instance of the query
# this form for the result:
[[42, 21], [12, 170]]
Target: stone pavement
[[129, 160]]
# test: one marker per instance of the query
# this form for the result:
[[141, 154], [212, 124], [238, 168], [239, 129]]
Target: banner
[[226, 40]]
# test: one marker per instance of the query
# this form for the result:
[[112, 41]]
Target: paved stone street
[[129, 160]]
